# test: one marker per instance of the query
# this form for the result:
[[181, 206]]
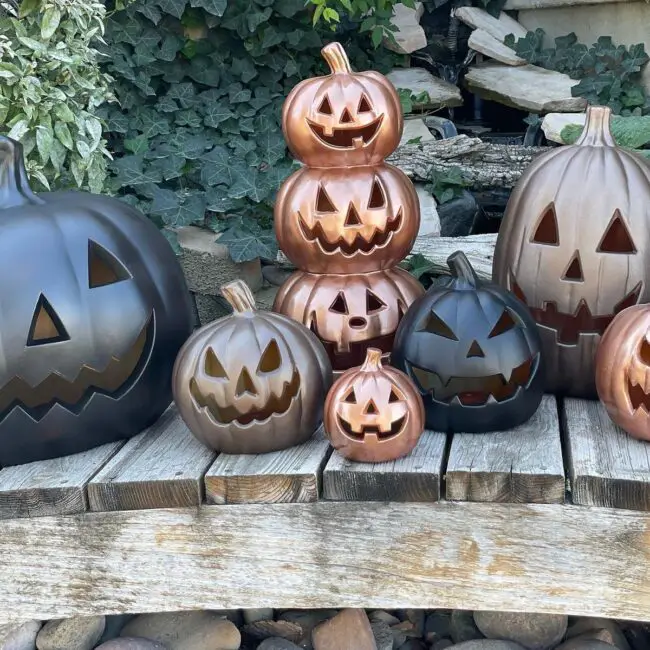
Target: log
[[484, 165]]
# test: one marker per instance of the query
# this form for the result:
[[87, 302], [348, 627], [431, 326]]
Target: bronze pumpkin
[[623, 370], [343, 119], [349, 313], [347, 220], [574, 246], [373, 413], [251, 382]]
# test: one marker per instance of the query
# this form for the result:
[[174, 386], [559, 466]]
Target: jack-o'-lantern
[[474, 352], [93, 309], [360, 219], [349, 313], [343, 119], [373, 413], [253, 381], [623, 370], [574, 244]]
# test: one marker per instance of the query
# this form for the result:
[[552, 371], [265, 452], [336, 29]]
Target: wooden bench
[[550, 517]]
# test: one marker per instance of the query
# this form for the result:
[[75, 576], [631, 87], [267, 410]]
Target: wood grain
[[528, 558], [415, 477], [522, 465], [51, 487], [606, 466], [162, 467], [289, 476]]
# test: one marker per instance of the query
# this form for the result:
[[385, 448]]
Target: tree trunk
[[483, 164]]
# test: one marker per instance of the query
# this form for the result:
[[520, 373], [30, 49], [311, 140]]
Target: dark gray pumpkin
[[93, 309]]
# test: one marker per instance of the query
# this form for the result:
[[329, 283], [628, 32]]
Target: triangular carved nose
[[352, 218], [46, 326], [245, 384], [574, 270], [346, 118], [371, 408], [475, 350]]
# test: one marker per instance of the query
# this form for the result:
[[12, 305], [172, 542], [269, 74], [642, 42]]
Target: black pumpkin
[[473, 350], [93, 309]]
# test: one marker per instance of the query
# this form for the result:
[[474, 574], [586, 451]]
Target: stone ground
[[348, 629]]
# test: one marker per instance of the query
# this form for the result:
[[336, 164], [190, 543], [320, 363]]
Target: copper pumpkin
[[347, 220], [623, 370], [343, 119], [349, 313], [251, 382], [373, 413], [574, 246]]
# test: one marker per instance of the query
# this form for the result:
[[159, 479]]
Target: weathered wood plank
[[606, 466], [289, 476], [415, 477], [51, 487], [523, 465], [162, 467], [528, 558]]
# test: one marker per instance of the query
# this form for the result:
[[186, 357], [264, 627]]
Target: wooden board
[[606, 466], [415, 477], [160, 468], [522, 465], [292, 475], [528, 558], [51, 487]]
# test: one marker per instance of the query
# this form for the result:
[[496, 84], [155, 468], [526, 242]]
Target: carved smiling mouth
[[475, 391], [639, 399], [378, 239], [352, 137], [568, 327], [114, 379], [275, 405], [395, 428]]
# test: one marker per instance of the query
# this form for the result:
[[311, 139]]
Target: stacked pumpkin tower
[[346, 219]]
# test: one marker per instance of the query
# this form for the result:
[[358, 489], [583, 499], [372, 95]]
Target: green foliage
[[201, 84], [448, 185], [51, 88], [609, 74], [410, 101], [421, 268]]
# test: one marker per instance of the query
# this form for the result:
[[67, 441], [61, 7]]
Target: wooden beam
[[530, 558]]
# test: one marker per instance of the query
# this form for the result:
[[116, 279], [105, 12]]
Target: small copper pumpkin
[[574, 246], [342, 119], [347, 220], [251, 382], [349, 313], [373, 413], [623, 370]]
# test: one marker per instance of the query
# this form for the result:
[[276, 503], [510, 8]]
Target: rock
[[195, 630], [485, 43], [534, 631], [462, 627], [383, 635], [645, 78], [409, 35], [77, 633], [207, 264], [415, 129], [457, 216], [416, 617], [413, 644], [348, 630], [443, 644], [210, 308], [418, 80], [260, 614], [276, 643], [487, 644], [381, 615], [114, 625], [601, 629], [308, 619], [437, 626], [131, 643], [264, 298], [275, 275], [499, 27], [553, 123], [282, 628], [19, 636], [580, 643], [526, 87], [429, 218]]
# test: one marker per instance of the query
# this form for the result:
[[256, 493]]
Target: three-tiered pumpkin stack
[[346, 219]]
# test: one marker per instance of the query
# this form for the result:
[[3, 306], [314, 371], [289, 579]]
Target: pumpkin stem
[[336, 58], [238, 295], [461, 268], [14, 186], [597, 131], [373, 360]]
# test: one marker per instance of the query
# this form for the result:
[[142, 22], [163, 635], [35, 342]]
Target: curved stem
[[238, 295], [461, 268], [14, 185], [597, 131], [373, 360], [336, 58]]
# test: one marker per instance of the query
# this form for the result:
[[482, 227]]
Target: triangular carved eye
[[547, 231], [350, 398], [339, 306], [364, 105], [617, 237], [325, 107], [505, 323], [46, 326], [373, 303], [103, 267], [212, 366], [377, 198], [435, 325], [323, 201], [271, 358], [393, 397]]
